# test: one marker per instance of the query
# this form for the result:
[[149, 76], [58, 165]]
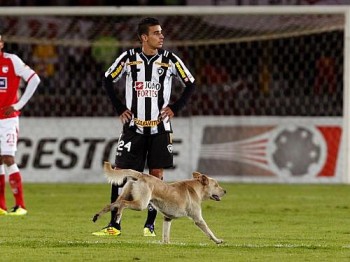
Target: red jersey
[[12, 69]]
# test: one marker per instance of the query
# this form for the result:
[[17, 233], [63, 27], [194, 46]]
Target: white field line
[[157, 242]]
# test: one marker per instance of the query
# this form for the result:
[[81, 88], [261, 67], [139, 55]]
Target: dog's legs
[[166, 230], [122, 204], [135, 197], [204, 227], [137, 205], [124, 195], [106, 209], [126, 199], [119, 214]]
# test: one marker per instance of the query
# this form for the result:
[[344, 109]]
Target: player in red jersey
[[12, 70]]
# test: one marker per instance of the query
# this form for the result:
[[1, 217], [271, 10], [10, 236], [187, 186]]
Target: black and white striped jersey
[[148, 86]]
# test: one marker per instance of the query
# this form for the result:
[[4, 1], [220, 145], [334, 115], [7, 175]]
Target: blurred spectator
[[45, 56], [325, 79], [213, 74], [105, 48]]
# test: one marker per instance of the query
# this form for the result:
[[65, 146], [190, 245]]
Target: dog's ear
[[201, 178], [204, 180], [196, 174]]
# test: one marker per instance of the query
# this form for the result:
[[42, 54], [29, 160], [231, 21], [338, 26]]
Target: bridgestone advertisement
[[247, 149]]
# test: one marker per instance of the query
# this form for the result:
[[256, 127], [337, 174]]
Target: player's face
[[155, 37], [1, 45]]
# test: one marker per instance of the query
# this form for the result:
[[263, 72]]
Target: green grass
[[258, 223]]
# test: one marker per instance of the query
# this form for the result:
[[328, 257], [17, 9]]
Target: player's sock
[[151, 216], [16, 185], [2, 188], [114, 196]]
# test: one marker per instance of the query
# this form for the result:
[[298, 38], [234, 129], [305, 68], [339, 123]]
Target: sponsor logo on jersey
[[147, 88], [117, 71], [162, 64], [146, 123], [138, 85], [134, 63], [5, 69], [181, 70], [3, 83]]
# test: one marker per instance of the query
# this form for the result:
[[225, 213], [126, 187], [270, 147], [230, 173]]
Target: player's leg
[[3, 208], [15, 180], [160, 156], [115, 192], [8, 150], [148, 230], [130, 154], [113, 228]]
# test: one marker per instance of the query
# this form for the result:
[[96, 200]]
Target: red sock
[[17, 189], [2, 192]]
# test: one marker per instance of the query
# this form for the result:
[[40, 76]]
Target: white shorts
[[9, 128]]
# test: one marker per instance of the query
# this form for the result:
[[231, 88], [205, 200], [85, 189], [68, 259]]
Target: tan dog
[[174, 200]]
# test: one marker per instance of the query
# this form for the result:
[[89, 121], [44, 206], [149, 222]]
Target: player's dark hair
[[145, 24]]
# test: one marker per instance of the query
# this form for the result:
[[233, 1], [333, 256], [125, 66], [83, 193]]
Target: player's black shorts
[[135, 149]]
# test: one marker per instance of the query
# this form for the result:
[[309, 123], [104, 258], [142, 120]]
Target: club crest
[[5, 69], [160, 71]]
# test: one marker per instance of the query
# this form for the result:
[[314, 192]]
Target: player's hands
[[166, 114], [8, 110], [126, 116]]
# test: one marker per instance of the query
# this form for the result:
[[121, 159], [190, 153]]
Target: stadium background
[[246, 68], [231, 76]]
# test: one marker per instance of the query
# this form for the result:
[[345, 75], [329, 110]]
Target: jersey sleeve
[[113, 74], [180, 70], [21, 69], [118, 68]]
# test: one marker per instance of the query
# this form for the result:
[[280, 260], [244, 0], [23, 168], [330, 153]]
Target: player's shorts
[[135, 149], [9, 128]]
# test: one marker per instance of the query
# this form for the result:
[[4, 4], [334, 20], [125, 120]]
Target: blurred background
[[283, 66]]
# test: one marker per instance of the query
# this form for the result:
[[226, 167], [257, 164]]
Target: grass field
[[258, 223]]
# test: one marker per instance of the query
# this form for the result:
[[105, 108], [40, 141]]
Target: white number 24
[[121, 145]]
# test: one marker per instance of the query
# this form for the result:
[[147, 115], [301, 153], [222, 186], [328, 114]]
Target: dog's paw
[[219, 241], [95, 217]]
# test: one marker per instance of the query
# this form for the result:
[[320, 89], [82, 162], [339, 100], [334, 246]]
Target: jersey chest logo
[[5, 69], [147, 88]]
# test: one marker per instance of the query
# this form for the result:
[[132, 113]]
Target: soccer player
[[146, 134], [12, 70]]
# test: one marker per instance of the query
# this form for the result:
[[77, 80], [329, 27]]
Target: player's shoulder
[[165, 53], [127, 54], [171, 56], [134, 51], [13, 58], [10, 55]]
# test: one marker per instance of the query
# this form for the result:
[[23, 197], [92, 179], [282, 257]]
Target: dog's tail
[[118, 176]]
